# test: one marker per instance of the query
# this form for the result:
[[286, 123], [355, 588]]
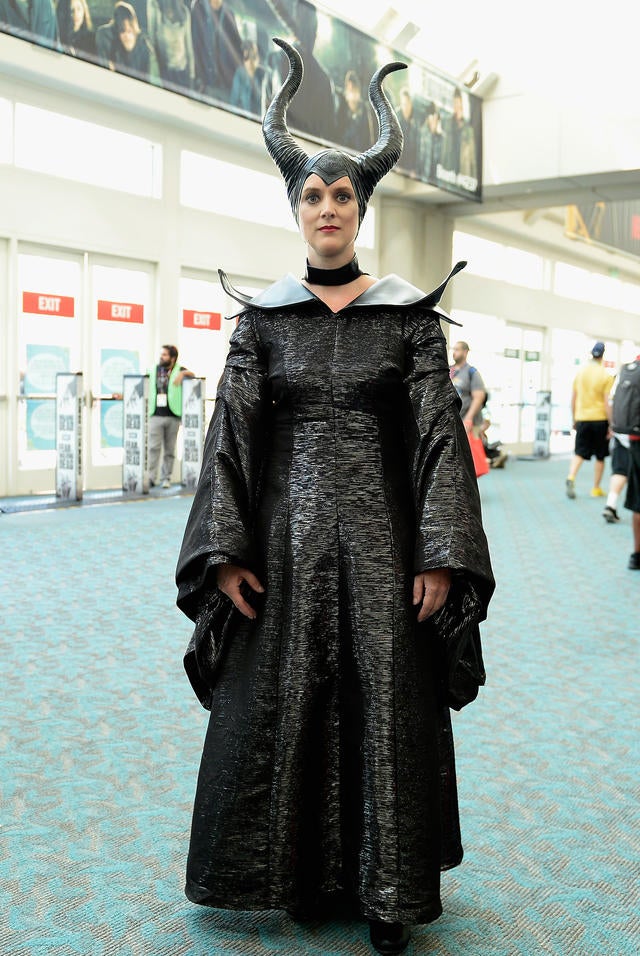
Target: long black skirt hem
[[330, 906]]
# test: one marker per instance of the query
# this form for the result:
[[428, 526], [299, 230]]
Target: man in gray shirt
[[469, 386]]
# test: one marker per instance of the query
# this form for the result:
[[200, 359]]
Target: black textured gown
[[336, 466]]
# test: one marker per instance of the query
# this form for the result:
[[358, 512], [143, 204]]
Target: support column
[[416, 243]]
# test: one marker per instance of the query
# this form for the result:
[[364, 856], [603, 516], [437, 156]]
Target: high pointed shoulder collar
[[388, 291]]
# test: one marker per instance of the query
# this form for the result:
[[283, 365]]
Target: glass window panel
[[493, 260], [233, 191], [484, 257], [86, 152], [6, 125], [245, 194], [571, 281], [630, 298]]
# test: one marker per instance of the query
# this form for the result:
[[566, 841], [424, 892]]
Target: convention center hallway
[[100, 740]]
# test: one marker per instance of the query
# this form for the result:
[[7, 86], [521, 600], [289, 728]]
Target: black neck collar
[[339, 276]]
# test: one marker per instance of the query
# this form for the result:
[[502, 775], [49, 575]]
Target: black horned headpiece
[[365, 171]]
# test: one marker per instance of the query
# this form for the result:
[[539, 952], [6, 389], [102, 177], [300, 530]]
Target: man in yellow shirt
[[591, 412]]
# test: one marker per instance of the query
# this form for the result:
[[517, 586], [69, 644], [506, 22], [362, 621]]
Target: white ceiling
[[579, 50]]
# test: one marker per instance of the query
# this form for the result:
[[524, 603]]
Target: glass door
[[204, 331], [121, 310], [49, 340], [521, 376]]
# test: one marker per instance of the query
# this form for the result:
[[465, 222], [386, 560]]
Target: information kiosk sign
[[69, 395], [543, 425], [193, 396], [135, 392]]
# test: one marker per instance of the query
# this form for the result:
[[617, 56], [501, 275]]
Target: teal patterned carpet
[[100, 739]]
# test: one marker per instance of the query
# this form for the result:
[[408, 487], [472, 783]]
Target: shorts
[[632, 501], [591, 439], [619, 458]]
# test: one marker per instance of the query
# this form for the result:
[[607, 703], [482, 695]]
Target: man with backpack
[[626, 421], [469, 386]]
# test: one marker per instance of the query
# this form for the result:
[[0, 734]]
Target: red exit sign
[[200, 320], [43, 303], [120, 311]]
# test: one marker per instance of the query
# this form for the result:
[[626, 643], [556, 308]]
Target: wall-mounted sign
[[512, 353], [44, 303], [200, 320], [135, 391], [531, 356], [69, 435], [120, 311], [193, 395]]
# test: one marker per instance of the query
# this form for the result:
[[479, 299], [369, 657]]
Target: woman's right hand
[[229, 577]]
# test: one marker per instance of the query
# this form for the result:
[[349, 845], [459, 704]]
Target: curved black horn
[[283, 149], [383, 155]]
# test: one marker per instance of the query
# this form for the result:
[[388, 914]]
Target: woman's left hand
[[430, 588]]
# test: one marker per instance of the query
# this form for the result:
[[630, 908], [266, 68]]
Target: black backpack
[[626, 401]]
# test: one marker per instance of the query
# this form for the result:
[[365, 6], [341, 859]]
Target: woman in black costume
[[336, 568]]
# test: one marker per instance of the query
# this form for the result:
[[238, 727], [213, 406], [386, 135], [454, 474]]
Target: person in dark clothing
[[335, 566], [430, 144], [132, 52], [170, 36], [29, 19], [217, 47], [314, 109], [75, 28], [247, 88], [354, 129], [459, 143], [409, 127]]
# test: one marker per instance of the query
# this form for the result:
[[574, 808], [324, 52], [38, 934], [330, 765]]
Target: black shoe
[[634, 561], [610, 515], [389, 938]]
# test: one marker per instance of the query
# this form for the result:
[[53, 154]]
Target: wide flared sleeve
[[449, 532], [220, 525]]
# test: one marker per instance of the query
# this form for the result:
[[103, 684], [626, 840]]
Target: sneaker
[[610, 515], [166, 483], [634, 561], [571, 488], [597, 493]]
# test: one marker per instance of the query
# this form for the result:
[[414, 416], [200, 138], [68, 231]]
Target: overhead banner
[[193, 396], [222, 53], [615, 225], [135, 390], [69, 435]]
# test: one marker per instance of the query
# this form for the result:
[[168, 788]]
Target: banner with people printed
[[221, 52]]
